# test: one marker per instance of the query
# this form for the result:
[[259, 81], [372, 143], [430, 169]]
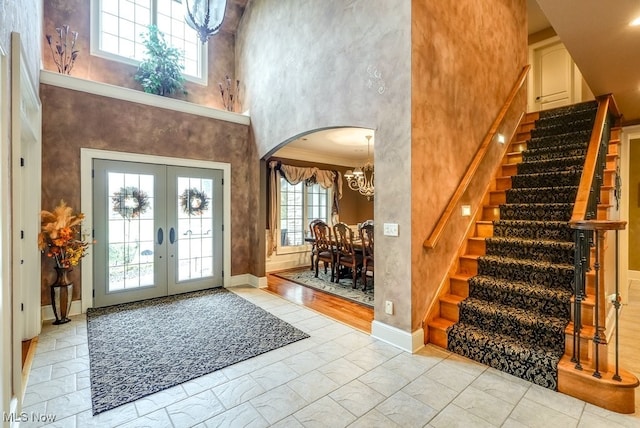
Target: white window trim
[[294, 249], [96, 51]]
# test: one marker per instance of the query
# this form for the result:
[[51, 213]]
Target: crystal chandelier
[[361, 178], [204, 16]]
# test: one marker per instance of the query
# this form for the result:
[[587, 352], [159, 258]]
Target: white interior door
[[553, 74], [158, 230]]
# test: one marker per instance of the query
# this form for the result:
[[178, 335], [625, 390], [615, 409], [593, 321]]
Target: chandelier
[[361, 178], [204, 16]]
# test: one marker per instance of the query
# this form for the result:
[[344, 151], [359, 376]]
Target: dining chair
[[314, 248], [366, 237], [347, 256], [325, 251]]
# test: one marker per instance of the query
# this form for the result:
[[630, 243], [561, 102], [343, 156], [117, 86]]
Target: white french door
[[158, 230]]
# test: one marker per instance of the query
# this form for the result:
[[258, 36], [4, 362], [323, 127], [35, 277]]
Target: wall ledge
[[135, 96]]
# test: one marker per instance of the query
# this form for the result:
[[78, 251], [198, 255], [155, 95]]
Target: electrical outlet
[[388, 307]]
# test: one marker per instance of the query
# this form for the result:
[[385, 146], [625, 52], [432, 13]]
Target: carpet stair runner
[[518, 307]]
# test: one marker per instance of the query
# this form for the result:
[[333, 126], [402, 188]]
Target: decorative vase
[[61, 294]]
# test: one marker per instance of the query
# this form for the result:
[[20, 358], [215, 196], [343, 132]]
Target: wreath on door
[[130, 202], [194, 202]]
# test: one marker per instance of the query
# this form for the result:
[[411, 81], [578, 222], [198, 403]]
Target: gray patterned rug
[[323, 283], [140, 348]]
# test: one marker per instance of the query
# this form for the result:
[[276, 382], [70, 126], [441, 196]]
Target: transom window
[[117, 26], [299, 204]]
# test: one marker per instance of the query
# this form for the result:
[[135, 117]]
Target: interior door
[[158, 230], [553, 77]]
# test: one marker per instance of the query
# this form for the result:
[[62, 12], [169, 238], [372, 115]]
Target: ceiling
[[603, 45], [597, 35]]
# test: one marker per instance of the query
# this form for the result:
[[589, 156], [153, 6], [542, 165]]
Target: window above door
[[117, 27]]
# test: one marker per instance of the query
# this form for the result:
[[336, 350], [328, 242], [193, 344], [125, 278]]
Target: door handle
[[160, 236], [172, 235]]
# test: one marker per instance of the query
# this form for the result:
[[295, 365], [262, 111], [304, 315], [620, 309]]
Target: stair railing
[[447, 214], [590, 232]]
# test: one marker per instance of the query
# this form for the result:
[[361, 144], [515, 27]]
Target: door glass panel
[[131, 231], [195, 228]]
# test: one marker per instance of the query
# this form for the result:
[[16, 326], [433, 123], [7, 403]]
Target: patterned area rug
[[323, 283], [140, 348]]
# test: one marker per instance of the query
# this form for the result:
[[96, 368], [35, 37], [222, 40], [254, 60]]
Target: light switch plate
[[390, 229], [388, 307]]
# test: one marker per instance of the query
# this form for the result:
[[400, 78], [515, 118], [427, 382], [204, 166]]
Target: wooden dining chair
[[314, 248], [325, 250], [347, 256], [366, 237]]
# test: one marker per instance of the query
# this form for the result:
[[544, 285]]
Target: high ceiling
[[596, 33], [603, 45]]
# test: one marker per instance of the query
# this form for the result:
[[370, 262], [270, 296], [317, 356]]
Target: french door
[[158, 230]]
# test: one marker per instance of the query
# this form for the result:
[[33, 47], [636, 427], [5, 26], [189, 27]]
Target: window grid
[[299, 204], [121, 23]]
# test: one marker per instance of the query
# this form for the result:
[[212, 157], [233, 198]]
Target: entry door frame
[[576, 86], [86, 203]]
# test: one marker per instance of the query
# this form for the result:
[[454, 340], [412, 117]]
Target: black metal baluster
[[616, 305], [596, 334]]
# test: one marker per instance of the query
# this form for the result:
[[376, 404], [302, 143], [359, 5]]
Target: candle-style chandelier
[[361, 178], [204, 16]]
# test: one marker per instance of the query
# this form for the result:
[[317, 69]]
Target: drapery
[[294, 175]]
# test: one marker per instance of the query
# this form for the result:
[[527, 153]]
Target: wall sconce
[[500, 138], [466, 210]]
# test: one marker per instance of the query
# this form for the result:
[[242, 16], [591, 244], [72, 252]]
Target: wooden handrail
[[586, 180], [438, 230]]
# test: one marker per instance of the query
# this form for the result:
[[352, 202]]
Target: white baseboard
[[47, 311], [410, 342], [277, 265], [248, 279]]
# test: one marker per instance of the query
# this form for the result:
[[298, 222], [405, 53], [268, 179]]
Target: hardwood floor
[[345, 311]]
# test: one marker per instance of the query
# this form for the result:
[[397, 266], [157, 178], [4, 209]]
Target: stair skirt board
[[518, 307]]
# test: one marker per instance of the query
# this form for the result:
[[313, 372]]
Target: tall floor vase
[[61, 294]]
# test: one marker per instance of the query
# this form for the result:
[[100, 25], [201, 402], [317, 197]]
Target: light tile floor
[[338, 377]]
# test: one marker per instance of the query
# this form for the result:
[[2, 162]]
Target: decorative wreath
[[194, 201], [130, 202]]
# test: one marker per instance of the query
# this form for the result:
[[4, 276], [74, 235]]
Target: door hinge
[[223, 227], [21, 161], [93, 293], [93, 173], [22, 234], [22, 307], [222, 181], [223, 274]]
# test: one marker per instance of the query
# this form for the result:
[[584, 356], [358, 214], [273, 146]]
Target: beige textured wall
[[73, 120], [76, 13], [466, 57], [319, 64], [634, 205]]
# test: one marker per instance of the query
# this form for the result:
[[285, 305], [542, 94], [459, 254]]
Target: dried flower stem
[[228, 97], [64, 54]]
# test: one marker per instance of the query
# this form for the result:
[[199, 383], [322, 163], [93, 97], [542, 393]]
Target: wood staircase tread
[[586, 332], [452, 298], [628, 379]]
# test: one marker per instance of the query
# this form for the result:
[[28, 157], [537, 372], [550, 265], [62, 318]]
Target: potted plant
[[160, 72], [59, 237]]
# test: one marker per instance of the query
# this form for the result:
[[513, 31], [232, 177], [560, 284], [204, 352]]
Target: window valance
[[295, 174]]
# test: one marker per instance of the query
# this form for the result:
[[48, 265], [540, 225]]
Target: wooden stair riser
[[468, 266], [450, 307], [476, 246], [490, 212], [526, 127], [587, 311], [509, 169], [438, 336], [612, 161], [609, 177], [514, 157], [484, 230], [518, 146], [459, 286], [503, 183], [498, 197]]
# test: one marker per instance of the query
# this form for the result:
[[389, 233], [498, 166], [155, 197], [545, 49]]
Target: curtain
[[294, 175]]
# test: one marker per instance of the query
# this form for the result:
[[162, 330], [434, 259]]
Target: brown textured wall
[[73, 120], [76, 13], [466, 55]]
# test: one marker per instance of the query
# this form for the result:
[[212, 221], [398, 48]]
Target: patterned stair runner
[[518, 306]]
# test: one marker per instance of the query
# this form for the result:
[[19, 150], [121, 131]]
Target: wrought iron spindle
[[578, 295], [616, 305], [596, 335]]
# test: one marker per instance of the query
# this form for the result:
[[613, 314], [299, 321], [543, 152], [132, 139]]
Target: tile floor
[[338, 377]]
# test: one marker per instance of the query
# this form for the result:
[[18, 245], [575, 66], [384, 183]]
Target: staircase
[[508, 304]]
